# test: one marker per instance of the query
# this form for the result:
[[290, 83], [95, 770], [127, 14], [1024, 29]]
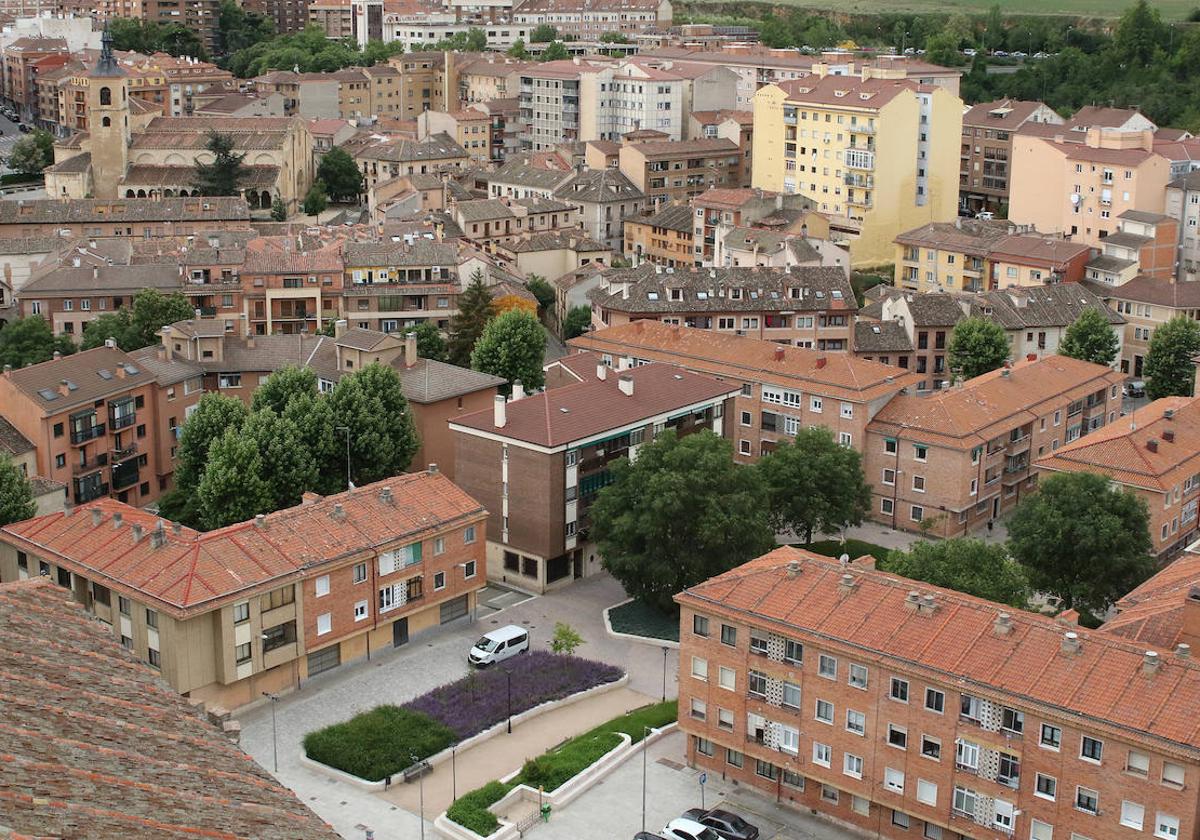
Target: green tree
[[1090, 338], [284, 385], [1082, 540], [383, 439], [340, 175], [215, 414], [227, 171], [139, 324], [518, 51], [430, 344], [32, 153], [28, 341], [993, 29], [476, 39], [967, 565], [942, 49], [678, 515], [315, 200], [289, 468], [566, 639], [313, 417], [959, 27], [512, 346], [16, 495], [232, 488], [542, 290], [1139, 34], [555, 52], [1168, 367], [814, 484], [543, 34], [279, 211], [976, 346], [578, 319], [614, 38], [475, 309], [114, 325], [238, 28]]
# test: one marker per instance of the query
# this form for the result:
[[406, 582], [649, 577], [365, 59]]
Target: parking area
[[612, 810]]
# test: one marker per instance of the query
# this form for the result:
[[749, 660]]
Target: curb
[[651, 641]]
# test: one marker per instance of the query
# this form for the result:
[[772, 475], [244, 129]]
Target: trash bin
[[546, 812]]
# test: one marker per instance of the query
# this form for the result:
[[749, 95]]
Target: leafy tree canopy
[[1090, 338], [814, 484], [28, 341], [226, 173], [340, 175], [555, 52], [316, 200], [383, 439], [578, 319], [232, 488], [967, 565], [139, 324], [430, 344], [16, 496], [1168, 367], [32, 153], [512, 346], [475, 309], [239, 28], [543, 34], [214, 415], [542, 290], [976, 346]]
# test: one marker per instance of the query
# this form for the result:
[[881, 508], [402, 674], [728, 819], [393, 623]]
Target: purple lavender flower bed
[[480, 699]]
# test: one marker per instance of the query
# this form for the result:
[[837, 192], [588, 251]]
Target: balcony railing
[[86, 494], [90, 465], [83, 435], [125, 452]]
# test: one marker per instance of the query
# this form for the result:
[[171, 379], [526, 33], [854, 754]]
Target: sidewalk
[[478, 765], [880, 534]]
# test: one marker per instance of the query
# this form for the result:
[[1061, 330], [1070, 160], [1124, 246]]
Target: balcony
[[125, 452], [866, 182], [125, 475], [208, 311], [82, 434], [90, 465], [86, 493], [861, 128]]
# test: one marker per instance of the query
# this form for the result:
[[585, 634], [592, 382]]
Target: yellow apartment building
[[878, 155]]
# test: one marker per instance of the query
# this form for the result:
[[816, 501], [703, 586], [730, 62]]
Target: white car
[[685, 829], [970, 53]]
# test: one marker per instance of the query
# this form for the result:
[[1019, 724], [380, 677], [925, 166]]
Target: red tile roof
[[1103, 685], [1153, 613], [585, 409], [192, 572], [96, 745]]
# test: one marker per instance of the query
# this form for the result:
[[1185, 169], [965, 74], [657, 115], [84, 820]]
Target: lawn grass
[[378, 743], [471, 809], [855, 548], [641, 619]]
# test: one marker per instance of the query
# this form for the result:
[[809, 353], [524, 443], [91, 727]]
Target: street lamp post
[[645, 749], [664, 692], [421, 788], [274, 698], [509, 675], [346, 429]]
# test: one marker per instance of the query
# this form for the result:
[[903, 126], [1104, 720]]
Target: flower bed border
[[652, 641]]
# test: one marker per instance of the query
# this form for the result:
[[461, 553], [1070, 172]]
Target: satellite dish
[[1075, 198]]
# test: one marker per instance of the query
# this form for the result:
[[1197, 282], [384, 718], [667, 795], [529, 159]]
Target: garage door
[[324, 660], [454, 609]]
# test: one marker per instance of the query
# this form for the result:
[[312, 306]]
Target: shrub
[[378, 743], [471, 809]]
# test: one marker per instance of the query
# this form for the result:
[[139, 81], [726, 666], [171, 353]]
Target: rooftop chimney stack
[[518, 390], [410, 349], [625, 383], [137, 532], [117, 517], [912, 600], [793, 569], [339, 327], [433, 469], [1070, 642], [928, 604], [1183, 650], [176, 528], [499, 412], [259, 520], [385, 495], [339, 512], [601, 371], [97, 517], [1151, 662], [1003, 624], [846, 584]]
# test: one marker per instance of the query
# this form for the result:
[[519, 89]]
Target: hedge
[[378, 743], [471, 809]]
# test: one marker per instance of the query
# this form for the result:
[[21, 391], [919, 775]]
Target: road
[[10, 136]]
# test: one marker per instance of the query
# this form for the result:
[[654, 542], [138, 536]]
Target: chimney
[[928, 604], [499, 414], [57, 355], [1151, 662], [1070, 642], [1168, 436], [117, 517], [97, 516], [821, 362], [246, 331], [623, 361], [1004, 372], [793, 569], [137, 532], [518, 390], [1152, 445], [625, 383], [197, 314], [338, 512], [779, 353], [1003, 624], [1183, 650], [912, 600], [1168, 413], [176, 528], [385, 495], [259, 520], [64, 388], [410, 349], [601, 371], [846, 584], [433, 469], [339, 327]]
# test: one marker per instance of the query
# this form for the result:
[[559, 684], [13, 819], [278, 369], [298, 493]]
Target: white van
[[499, 645]]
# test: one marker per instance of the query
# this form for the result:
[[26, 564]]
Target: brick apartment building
[[263, 605], [906, 710], [674, 172], [545, 457], [86, 218], [782, 389], [1156, 454], [987, 132], [97, 420], [951, 462], [663, 236], [808, 306]]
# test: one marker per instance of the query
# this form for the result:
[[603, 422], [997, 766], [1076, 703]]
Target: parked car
[[985, 215], [24, 129], [970, 53], [726, 823], [646, 835], [1135, 389], [685, 829], [499, 645]]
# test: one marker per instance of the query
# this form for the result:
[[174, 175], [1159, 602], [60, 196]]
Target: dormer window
[[676, 294]]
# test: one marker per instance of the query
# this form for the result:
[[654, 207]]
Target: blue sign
[[703, 778]]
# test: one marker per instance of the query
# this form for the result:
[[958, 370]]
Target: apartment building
[[20, 57], [489, 77], [729, 124], [70, 296], [288, 15], [987, 131], [783, 389], [1077, 183], [545, 457], [289, 290], [384, 158], [332, 579], [906, 710], [548, 96], [668, 172], [808, 306], [662, 236], [1163, 611], [777, 249], [588, 21], [719, 211], [391, 286], [94, 419], [948, 463], [1027, 260], [1183, 205], [1146, 304], [1154, 454], [199, 16], [468, 127], [551, 255], [502, 220], [312, 95], [105, 218], [877, 155]]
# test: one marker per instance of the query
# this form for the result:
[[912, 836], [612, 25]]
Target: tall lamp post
[[509, 675], [346, 429], [645, 749], [421, 786], [664, 693], [274, 698]]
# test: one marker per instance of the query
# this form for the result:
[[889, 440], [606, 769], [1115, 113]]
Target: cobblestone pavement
[[880, 534], [429, 660], [612, 810]]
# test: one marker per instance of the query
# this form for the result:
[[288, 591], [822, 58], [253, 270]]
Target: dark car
[[726, 823], [646, 835]]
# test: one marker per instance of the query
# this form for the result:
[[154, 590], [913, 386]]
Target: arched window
[[105, 96], [106, 122]]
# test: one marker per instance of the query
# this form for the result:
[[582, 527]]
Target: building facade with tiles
[[264, 605], [905, 710]]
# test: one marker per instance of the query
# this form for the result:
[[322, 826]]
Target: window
[[858, 676], [123, 605], [1046, 786], [439, 545], [728, 635], [277, 598], [917, 513], [241, 612], [758, 642], [852, 765], [926, 792], [899, 690], [897, 736], [322, 586], [824, 711], [1172, 774], [1051, 736], [725, 719], [152, 619], [765, 769], [1003, 814], [704, 746], [964, 801], [1091, 749], [700, 625], [793, 779], [920, 452], [154, 658], [789, 739], [856, 722], [822, 754], [827, 667], [793, 652], [1132, 814], [1009, 772], [931, 747], [1137, 763], [324, 624], [360, 572], [893, 779], [815, 404], [918, 483], [935, 701], [727, 678], [242, 653], [829, 794], [699, 709], [847, 411], [966, 755], [229, 380], [1166, 826], [360, 610], [791, 695], [734, 758], [468, 570], [699, 668], [439, 581], [469, 535], [1087, 800], [1039, 830], [889, 476], [1012, 720], [757, 683]]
